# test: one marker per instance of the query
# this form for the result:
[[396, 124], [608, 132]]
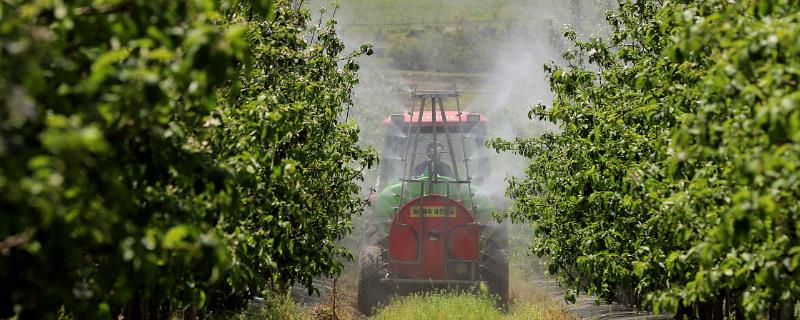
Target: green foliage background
[[161, 155], [674, 179]]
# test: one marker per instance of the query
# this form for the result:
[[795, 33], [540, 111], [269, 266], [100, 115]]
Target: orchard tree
[[673, 180], [163, 155]]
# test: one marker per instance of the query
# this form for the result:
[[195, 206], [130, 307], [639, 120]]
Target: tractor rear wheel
[[371, 292], [495, 265]]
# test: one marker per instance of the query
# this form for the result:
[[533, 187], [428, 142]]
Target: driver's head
[[434, 149]]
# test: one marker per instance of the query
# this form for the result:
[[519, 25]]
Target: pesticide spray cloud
[[492, 50]]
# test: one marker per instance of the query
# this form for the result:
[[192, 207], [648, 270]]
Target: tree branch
[[103, 9], [16, 240]]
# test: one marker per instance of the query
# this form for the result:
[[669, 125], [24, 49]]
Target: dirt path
[[585, 307], [533, 288]]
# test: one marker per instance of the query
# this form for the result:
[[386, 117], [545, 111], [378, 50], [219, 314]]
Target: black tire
[[371, 292], [495, 266]]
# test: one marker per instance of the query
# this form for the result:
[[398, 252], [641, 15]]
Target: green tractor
[[431, 226]]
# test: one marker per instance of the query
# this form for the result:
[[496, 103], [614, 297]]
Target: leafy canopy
[[165, 154], [674, 178]]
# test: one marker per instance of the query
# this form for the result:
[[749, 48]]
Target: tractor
[[431, 226]]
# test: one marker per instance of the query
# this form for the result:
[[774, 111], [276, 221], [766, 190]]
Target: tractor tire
[[371, 292], [495, 266]]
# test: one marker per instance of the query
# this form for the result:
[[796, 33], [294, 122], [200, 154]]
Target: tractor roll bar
[[435, 93], [435, 181]]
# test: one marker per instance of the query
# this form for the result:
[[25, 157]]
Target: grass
[[443, 305], [276, 307], [450, 305], [527, 302], [340, 306]]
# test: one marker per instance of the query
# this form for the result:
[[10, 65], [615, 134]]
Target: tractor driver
[[442, 169]]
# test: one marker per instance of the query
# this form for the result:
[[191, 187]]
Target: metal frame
[[430, 282]]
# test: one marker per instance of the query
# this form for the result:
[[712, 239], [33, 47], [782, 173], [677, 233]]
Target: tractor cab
[[431, 226], [400, 157]]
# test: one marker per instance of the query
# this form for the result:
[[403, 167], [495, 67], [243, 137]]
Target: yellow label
[[435, 212]]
